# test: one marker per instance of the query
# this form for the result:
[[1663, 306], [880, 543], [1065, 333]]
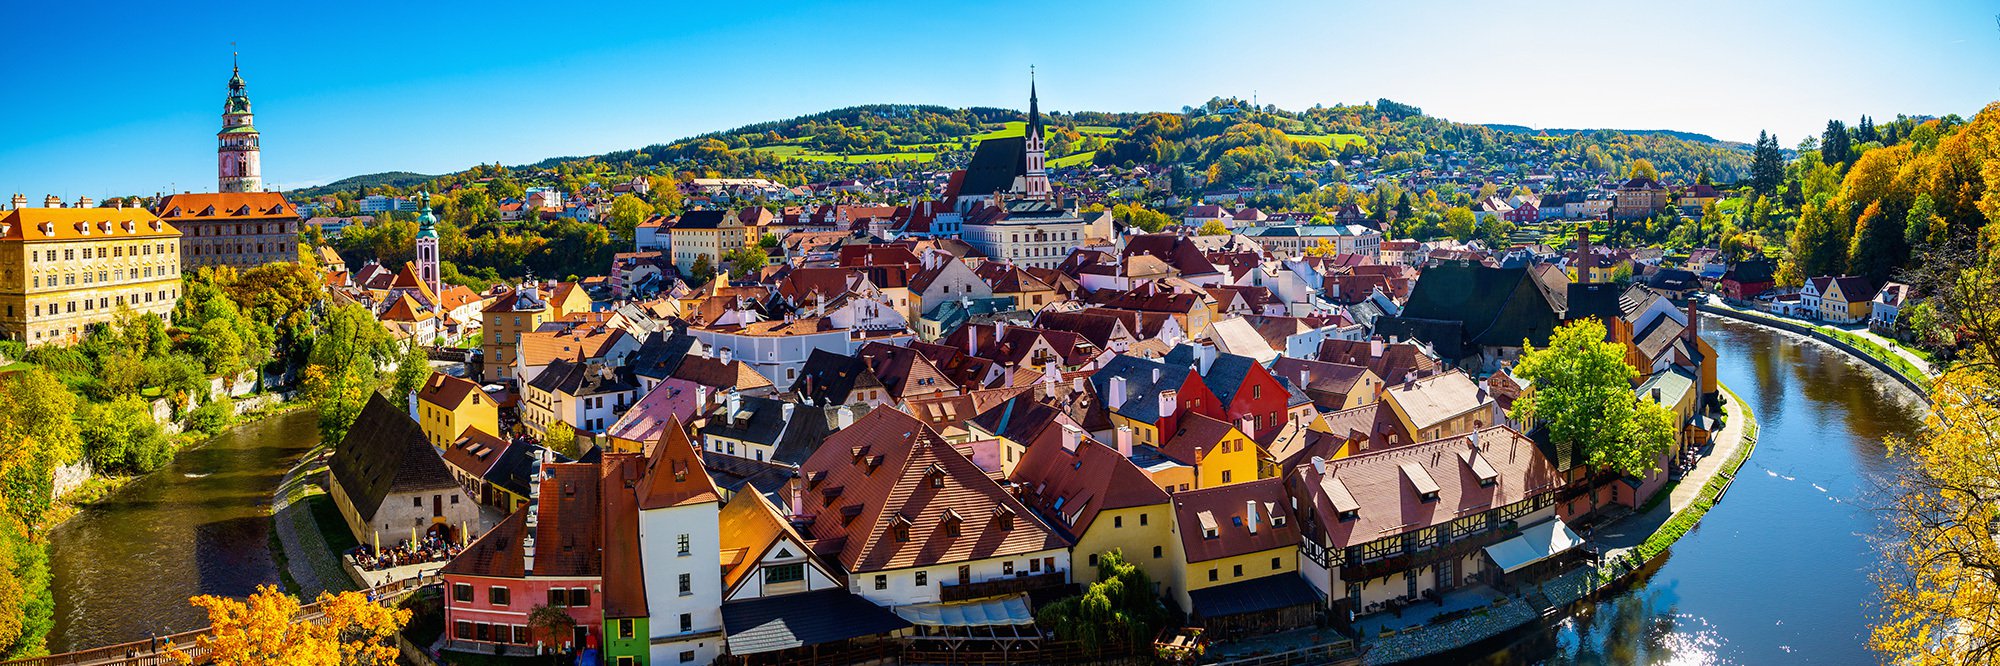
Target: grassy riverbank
[[1862, 343]]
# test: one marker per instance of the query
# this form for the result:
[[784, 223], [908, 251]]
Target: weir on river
[[124, 569]]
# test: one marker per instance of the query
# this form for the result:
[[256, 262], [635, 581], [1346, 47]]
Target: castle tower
[[1037, 175], [237, 168], [427, 247]]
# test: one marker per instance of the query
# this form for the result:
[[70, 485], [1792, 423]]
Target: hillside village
[[908, 415]]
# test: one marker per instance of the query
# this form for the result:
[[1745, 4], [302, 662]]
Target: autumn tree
[[627, 211], [263, 629], [38, 433], [1941, 592], [1583, 395], [561, 438], [1643, 168], [1212, 228], [1460, 223]]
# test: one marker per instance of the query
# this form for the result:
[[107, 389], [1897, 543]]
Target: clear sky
[[107, 98]]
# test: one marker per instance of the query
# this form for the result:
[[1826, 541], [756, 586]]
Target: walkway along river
[[125, 568], [1778, 572]]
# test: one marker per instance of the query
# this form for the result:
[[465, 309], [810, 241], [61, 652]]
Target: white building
[[681, 552], [1027, 233]]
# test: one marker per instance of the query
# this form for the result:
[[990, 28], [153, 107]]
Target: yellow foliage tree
[[1212, 228], [260, 630]]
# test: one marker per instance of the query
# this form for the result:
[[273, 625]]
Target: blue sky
[[123, 97]]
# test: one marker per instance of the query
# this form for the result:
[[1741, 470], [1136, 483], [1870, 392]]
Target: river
[[1778, 572], [125, 568]]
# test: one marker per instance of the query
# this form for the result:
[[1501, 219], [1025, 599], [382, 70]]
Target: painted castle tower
[[237, 168]]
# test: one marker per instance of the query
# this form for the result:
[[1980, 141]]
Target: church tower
[[1037, 175], [237, 168], [427, 247]]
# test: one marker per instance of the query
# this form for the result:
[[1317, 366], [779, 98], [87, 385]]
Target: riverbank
[[1628, 547], [98, 488], [1908, 369]]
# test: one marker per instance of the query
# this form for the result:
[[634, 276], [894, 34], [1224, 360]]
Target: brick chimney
[[1693, 329]]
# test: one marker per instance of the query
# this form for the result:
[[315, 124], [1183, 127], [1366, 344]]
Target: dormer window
[[952, 524], [1350, 514], [936, 476], [902, 533]]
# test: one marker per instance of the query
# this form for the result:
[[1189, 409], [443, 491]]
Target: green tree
[[1119, 609], [702, 271], [561, 438], [38, 433], [1835, 147], [744, 261], [1460, 223], [1767, 165], [121, 436], [1583, 395], [341, 370], [1921, 225], [413, 368], [627, 211]]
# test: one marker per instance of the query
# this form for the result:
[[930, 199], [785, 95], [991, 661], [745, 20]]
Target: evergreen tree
[[1767, 165], [1834, 143]]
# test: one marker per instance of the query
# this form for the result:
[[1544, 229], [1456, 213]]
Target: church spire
[[1034, 106], [238, 168]]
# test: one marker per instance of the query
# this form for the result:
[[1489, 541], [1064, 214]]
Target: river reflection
[[124, 569], [1779, 571]]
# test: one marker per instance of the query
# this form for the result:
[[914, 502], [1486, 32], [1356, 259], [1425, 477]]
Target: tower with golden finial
[[237, 162]]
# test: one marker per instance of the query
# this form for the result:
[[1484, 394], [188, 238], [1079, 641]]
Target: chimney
[[971, 336], [1116, 389], [734, 403], [1250, 515], [1656, 394], [999, 331], [1124, 440], [20, 201], [528, 550], [1168, 402], [700, 397], [1375, 347], [725, 355], [1305, 377], [1693, 329], [785, 410], [83, 202], [1072, 437], [52, 201], [1205, 354], [1248, 424], [843, 417]]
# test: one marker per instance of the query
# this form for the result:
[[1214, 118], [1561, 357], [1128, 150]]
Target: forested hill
[[1696, 137], [1228, 140]]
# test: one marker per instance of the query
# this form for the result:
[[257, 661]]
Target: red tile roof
[[1218, 522], [890, 473]]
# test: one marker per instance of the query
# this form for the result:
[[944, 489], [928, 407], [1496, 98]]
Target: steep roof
[[1070, 487], [384, 453], [224, 206], [674, 475], [888, 470], [994, 166], [449, 392], [1498, 307]]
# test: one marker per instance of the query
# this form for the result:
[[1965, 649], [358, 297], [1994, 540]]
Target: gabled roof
[[1432, 400], [660, 354], [1218, 522], [1197, 437], [1070, 487], [1141, 399], [674, 475], [713, 373], [385, 453], [994, 166], [1497, 307], [883, 472], [449, 392]]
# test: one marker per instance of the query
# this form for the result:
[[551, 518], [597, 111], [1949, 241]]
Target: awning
[[796, 620], [1008, 610], [1535, 543]]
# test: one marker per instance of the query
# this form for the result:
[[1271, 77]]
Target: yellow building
[[1099, 500], [1236, 542], [63, 269], [1221, 453], [709, 233], [447, 405], [1441, 405], [520, 311]]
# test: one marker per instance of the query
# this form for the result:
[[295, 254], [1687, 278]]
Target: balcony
[[1001, 586]]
